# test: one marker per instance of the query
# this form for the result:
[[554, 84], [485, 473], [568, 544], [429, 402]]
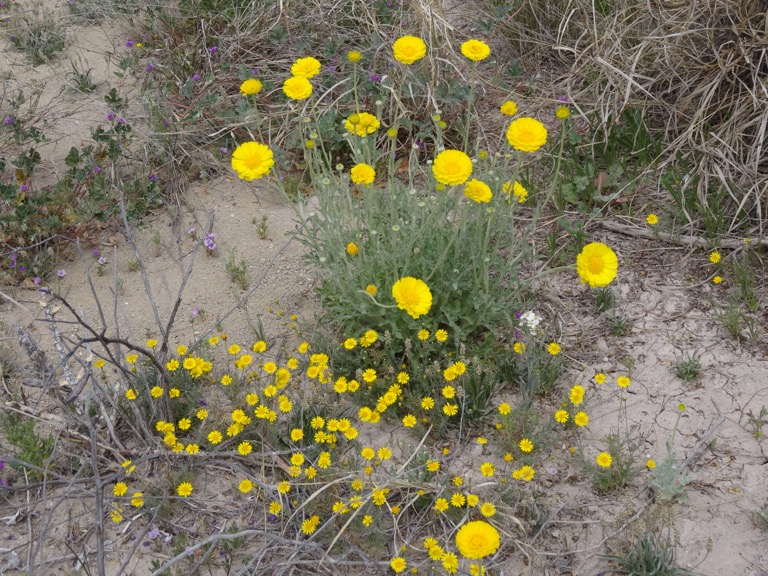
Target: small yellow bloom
[[623, 381], [526, 445], [604, 460], [250, 87], [714, 257], [184, 489], [354, 56], [650, 464], [553, 348], [352, 249], [245, 486], [717, 279], [508, 108], [652, 219], [562, 112]]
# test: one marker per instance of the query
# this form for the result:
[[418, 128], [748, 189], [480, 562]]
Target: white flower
[[531, 320]]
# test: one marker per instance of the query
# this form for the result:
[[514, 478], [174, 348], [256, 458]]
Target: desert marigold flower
[[650, 464], [251, 161], [441, 505], [364, 124], [524, 473], [130, 394], [310, 525], [441, 335], [714, 257], [244, 448], [427, 403], [525, 445], [563, 112], [517, 190], [120, 489], [245, 486], [116, 516], [604, 460], [362, 174], [305, 67], [508, 108], [477, 540], [597, 265], [581, 419], [652, 219], [475, 50], [518, 347], [172, 365], [250, 87], [623, 381], [201, 414], [398, 564], [297, 88], [131, 358], [561, 416], [526, 134], [487, 469], [452, 167], [487, 509], [449, 392], [478, 191], [214, 437], [577, 395], [409, 49], [553, 348], [450, 409], [409, 421], [137, 499], [600, 378], [413, 296], [504, 408], [717, 279], [184, 489], [354, 56], [450, 562], [458, 500], [423, 334], [352, 250], [156, 392]]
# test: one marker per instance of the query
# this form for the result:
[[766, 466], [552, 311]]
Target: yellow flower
[[305, 67], [526, 445], [156, 392], [131, 358], [504, 408], [478, 191], [577, 395], [413, 296], [354, 56], [487, 509], [458, 500], [409, 421], [310, 525], [369, 375], [518, 347], [604, 460], [398, 564], [352, 250], [245, 486], [130, 394], [362, 174], [622, 381], [450, 409], [441, 335], [562, 112], [581, 419], [475, 50], [214, 437], [714, 257], [452, 167], [137, 500], [371, 289], [524, 473], [363, 125], [517, 189], [526, 134], [450, 562], [441, 505], [116, 516], [184, 489], [427, 403], [98, 363], [251, 161], [553, 348], [433, 465], [423, 334], [172, 365], [409, 49], [449, 392], [597, 264], [477, 540], [717, 279], [652, 219], [561, 416], [192, 449], [297, 88], [600, 378], [120, 489], [508, 108], [487, 469], [250, 87], [650, 464]]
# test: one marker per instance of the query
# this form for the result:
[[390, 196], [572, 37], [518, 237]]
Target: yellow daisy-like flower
[[137, 500], [244, 448], [577, 395], [120, 489], [478, 191], [297, 88], [352, 249], [245, 486], [597, 265], [452, 167], [477, 540], [504, 408], [371, 289], [409, 49], [306, 67], [650, 464], [450, 562], [362, 174], [561, 416], [623, 381], [581, 419], [652, 219], [518, 191], [562, 112], [600, 378], [184, 489], [252, 160], [441, 335], [508, 108], [131, 358], [604, 460], [526, 134], [354, 56], [398, 564], [412, 295], [130, 394], [717, 279], [475, 50], [714, 257], [363, 125], [250, 87], [526, 445], [487, 469], [553, 348]]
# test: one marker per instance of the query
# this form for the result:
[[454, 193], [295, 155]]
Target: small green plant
[[133, 265], [81, 78], [761, 518], [619, 325], [157, 242], [237, 270], [262, 227], [744, 280], [667, 478], [651, 555], [604, 299], [688, 369], [757, 421], [33, 450], [40, 37], [623, 449]]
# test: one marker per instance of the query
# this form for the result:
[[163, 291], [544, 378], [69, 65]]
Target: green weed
[[688, 369], [39, 36], [651, 555], [237, 270]]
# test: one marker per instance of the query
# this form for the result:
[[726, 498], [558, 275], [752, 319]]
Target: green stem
[[469, 106]]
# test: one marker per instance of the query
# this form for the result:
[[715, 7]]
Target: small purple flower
[[153, 178], [129, 43], [191, 231], [374, 78], [61, 273], [111, 116], [101, 261], [271, 518], [24, 187], [96, 252], [22, 269], [154, 533], [332, 68], [121, 120], [223, 149], [167, 538], [12, 261], [166, 123], [36, 280], [563, 99], [195, 77], [202, 403], [213, 50], [97, 168], [255, 71], [195, 311], [9, 120], [209, 241], [150, 67], [2, 464]]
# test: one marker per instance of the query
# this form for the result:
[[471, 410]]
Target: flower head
[[305, 67], [412, 295], [252, 160], [526, 134], [562, 112], [409, 49], [475, 50], [477, 540], [652, 219], [362, 174], [478, 191], [604, 460], [354, 56], [250, 87], [297, 88], [508, 108], [184, 489], [364, 124], [714, 257], [597, 265], [452, 167]]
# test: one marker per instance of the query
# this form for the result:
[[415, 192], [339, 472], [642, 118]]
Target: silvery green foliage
[[668, 480]]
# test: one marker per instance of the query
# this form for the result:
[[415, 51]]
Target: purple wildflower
[[223, 150], [111, 116], [24, 187], [96, 252], [9, 120], [36, 280], [22, 269], [101, 261], [195, 77], [374, 78], [129, 43], [61, 273], [209, 241], [213, 50], [97, 168], [150, 67]]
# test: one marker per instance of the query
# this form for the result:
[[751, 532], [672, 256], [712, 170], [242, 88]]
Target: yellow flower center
[[253, 161], [596, 264], [477, 541]]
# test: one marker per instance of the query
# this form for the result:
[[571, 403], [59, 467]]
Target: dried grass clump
[[702, 70]]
